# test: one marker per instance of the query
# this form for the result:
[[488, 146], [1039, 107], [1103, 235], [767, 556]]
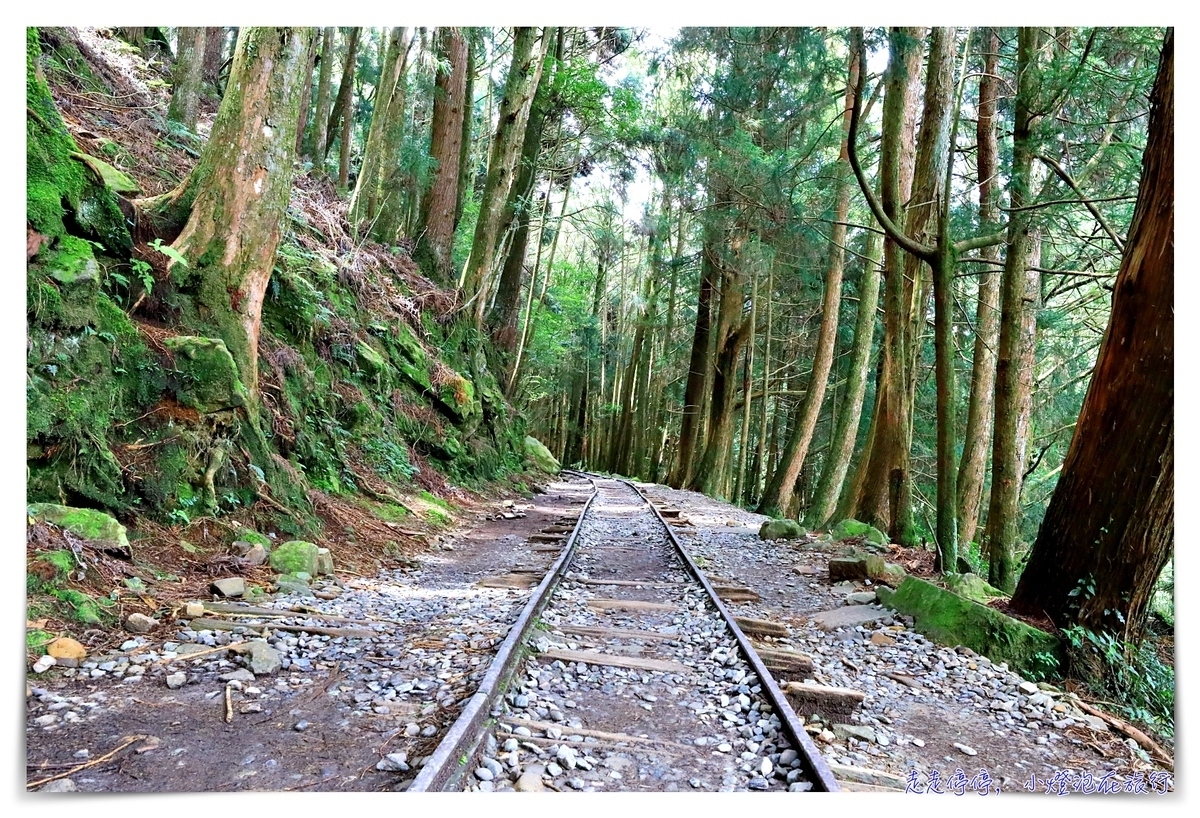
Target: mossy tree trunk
[[187, 77], [1111, 519], [523, 74], [242, 182], [436, 238], [466, 165]]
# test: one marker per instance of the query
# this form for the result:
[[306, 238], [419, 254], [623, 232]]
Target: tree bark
[[777, 498], [306, 95], [466, 164], [502, 318], [436, 238], [841, 444], [883, 494], [187, 77], [1018, 313], [978, 432], [342, 105], [1111, 519], [245, 176], [523, 74], [697, 380], [318, 137], [214, 53]]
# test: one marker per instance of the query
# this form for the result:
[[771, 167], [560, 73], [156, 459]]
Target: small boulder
[[140, 623], [295, 556], [211, 381], [193, 610], [264, 659], [60, 785], [85, 523], [972, 587], [858, 731], [860, 598], [255, 555], [541, 457], [65, 647], [44, 663], [853, 528], [780, 530], [230, 586], [176, 680], [324, 562]]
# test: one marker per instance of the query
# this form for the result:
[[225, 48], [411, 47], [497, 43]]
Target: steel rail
[[443, 770], [812, 760]]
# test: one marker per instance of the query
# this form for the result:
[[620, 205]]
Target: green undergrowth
[[360, 390]]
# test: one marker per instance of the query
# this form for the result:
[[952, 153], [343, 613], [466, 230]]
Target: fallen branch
[[228, 703], [67, 774], [1147, 743]]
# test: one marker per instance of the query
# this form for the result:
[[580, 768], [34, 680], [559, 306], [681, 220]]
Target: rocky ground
[[930, 710], [335, 712]]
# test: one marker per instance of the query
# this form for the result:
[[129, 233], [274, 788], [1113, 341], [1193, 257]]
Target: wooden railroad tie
[[604, 604], [786, 662], [513, 580], [736, 593], [831, 703], [760, 627], [630, 662], [546, 538], [616, 633], [632, 583]]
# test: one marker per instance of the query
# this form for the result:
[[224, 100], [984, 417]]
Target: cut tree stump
[[831, 703], [760, 627], [631, 662]]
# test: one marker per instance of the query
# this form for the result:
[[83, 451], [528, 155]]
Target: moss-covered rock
[[210, 380], [295, 557], [952, 620], [254, 538], [85, 523], [972, 587], [782, 529], [853, 528], [540, 456]]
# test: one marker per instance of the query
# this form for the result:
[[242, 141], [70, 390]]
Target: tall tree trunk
[[380, 156], [884, 488], [319, 135], [841, 445], [760, 460], [343, 104], [777, 498], [747, 382], [502, 319], [435, 240], [347, 145], [697, 380], [214, 54], [466, 162], [1017, 317], [306, 95], [523, 74], [1111, 518], [187, 77], [978, 432], [244, 180]]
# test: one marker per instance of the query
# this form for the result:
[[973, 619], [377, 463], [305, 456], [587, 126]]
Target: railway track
[[625, 671]]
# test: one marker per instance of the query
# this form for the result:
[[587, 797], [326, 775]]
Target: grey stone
[[229, 586], [484, 774], [861, 598], [530, 781], [965, 749], [393, 763], [788, 757], [256, 555], [140, 623], [239, 675], [176, 680], [264, 659], [61, 785], [848, 616], [858, 731]]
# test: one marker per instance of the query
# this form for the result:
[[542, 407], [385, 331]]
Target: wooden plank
[[630, 605], [736, 593], [620, 738], [829, 702], [558, 529], [221, 625], [668, 513], [546, 549], [616, 633], [546, 538], [631, 662], [760, 627], [864, 776], [522, 581], [785, 661], [632, 583]]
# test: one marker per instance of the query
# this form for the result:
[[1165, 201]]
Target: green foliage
[[1131, 675], [36, 641]]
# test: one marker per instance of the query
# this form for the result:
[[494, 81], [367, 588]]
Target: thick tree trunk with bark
[[978, 432], [466, 164], [697, 380], [883, 494], [306, 94], [436, 238], [523, 74], [777, 498], [1018, 313], [244, 180], [841, 445], [214, 58], [187, 77], [1111, 519]]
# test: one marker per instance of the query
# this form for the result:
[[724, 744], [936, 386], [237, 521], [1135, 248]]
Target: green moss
[[82, 607], [953, 620], [36, 641], [211, 380], [294, 557], [85, 523], [251, 536]]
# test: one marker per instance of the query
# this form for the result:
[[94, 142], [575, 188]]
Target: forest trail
[[338, 718]]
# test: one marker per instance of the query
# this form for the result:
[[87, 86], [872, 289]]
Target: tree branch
[[1088, 203]]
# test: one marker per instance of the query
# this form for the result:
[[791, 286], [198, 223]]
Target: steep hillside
[[374, 398]]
